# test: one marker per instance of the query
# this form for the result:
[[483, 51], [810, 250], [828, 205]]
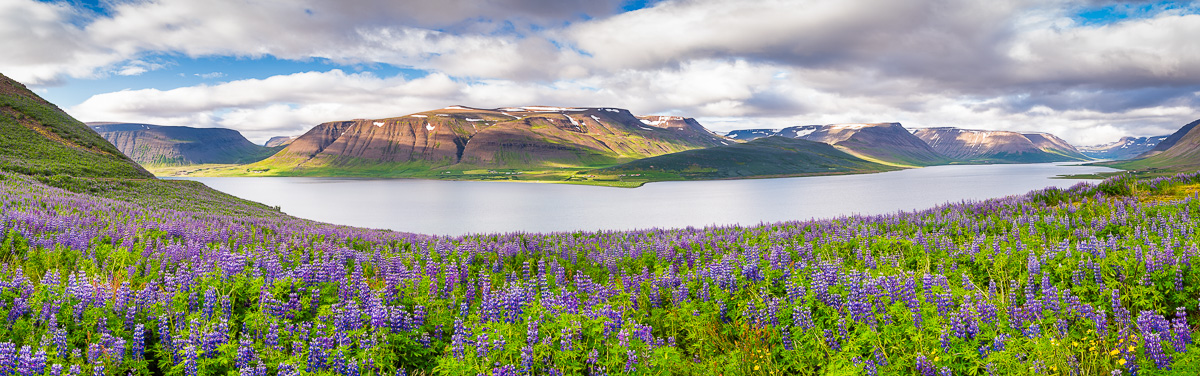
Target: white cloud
[[131, 71], [1019, 65]]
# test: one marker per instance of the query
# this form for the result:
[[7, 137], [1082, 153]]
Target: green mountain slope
[[180, 146], [765, 157], [38, 138]]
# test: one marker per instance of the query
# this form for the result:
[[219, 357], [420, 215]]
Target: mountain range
[[152, 145], [1125, 148], [1179, 152], [888, 143], [463, 138], [986, 146]]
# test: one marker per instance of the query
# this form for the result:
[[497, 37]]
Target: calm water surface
[[462, 207]]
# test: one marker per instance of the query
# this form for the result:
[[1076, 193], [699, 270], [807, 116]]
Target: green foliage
[[68, 148]]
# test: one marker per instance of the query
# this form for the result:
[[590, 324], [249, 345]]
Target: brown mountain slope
[[986, 146], [517, 137]]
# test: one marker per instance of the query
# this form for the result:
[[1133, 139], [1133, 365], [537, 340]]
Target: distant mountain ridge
[[1172, 140], [751, 134], [150, 144], [279, 141], [888, 143], [510, 137], [1179, 152], [988, 146], [1125, 148]]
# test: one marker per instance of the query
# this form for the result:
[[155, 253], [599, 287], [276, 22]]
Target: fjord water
[[462, 207]]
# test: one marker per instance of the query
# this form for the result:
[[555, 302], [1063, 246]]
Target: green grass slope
[[41, 144], [765, 157], [38, 138]]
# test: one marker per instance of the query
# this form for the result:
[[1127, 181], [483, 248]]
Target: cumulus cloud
[[1016, 65]]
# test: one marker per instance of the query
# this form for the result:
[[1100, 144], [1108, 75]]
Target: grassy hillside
[[38, 138], [774, 156]]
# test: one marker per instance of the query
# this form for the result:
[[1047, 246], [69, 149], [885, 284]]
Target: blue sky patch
[[170, 71], [1119, 12]]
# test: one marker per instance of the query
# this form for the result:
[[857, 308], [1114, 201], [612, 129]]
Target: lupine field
[[1091, 280]]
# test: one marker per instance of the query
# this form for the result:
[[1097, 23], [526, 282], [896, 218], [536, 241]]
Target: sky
[[1090, 71]]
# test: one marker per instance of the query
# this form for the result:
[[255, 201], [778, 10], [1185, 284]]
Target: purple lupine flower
[[459, 338], [1183, 333], [245, 353], [189, 362], [1154, 351], [786, 335], [1033, 331], [139, 341], [317, 359], [924, 366], [630, 361]]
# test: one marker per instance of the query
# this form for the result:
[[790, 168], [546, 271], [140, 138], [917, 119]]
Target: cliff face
[[505, 137], [1125, 148], [986, 146], [176, 146], [887, 142]]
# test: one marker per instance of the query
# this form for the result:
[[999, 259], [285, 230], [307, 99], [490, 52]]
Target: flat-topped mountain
[[1125, 148], [510, 137], [150, 144], [279, 141], [1179, 152], [888, 143], [38, 138], [987, 146]]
